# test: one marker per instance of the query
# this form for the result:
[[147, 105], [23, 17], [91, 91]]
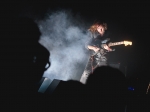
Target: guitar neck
[[116, 43]]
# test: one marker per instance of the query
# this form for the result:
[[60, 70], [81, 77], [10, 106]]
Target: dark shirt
[[95, 40]]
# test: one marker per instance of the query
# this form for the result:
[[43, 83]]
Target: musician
[[97, 47]]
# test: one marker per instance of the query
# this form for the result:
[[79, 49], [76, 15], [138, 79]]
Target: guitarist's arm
[[94, 48]]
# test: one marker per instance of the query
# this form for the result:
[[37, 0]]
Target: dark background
[[126, 21]]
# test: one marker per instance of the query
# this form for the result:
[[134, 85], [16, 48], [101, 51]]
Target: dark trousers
[[93, 62]]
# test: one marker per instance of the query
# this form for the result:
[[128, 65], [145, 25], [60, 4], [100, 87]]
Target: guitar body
[[94, 52]]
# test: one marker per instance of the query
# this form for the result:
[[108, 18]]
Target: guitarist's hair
[[93, 28]]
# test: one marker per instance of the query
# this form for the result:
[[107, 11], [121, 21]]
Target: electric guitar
[[126, 43], [118, 43]]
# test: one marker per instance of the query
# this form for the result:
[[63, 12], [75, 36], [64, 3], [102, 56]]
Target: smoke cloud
[[64, 34]]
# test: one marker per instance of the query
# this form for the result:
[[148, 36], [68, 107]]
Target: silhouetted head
[[107, 86], [24, 58], [25, 30]]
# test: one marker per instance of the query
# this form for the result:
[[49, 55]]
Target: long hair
[[93, 28]]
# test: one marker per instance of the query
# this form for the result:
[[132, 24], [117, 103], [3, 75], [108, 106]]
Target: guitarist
[[97, 52]]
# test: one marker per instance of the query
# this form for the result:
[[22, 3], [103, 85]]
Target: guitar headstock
[[127, 43]]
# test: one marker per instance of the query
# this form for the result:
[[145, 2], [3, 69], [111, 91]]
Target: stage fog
[[64, 35]]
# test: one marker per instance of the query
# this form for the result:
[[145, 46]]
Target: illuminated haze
[[64, 35]]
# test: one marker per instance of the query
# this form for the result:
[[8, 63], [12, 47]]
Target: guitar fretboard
[[116, 43]]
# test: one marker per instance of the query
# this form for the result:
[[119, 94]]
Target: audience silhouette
[[107, 89], [23, 62]]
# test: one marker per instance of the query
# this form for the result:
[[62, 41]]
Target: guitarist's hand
[[96, 49], [107, 48]]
